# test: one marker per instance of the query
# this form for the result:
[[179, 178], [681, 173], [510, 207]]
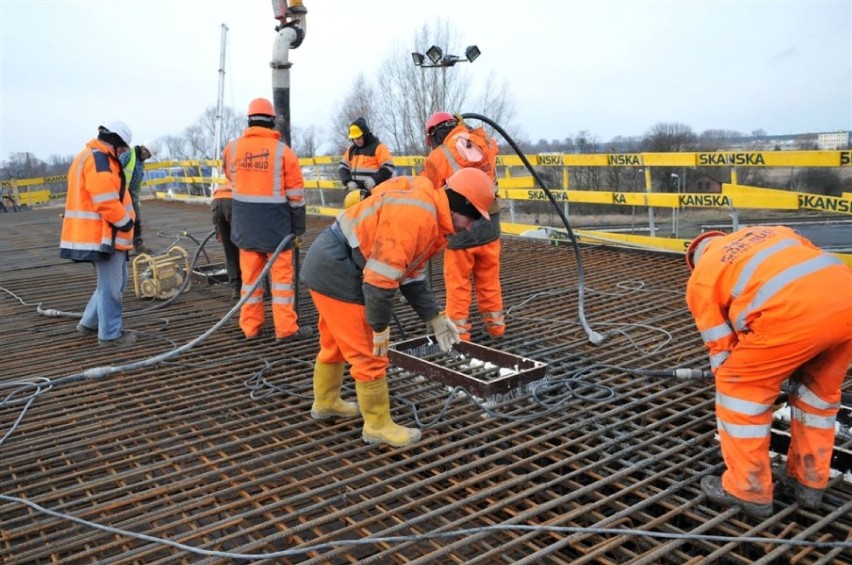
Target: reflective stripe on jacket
[[381, 243], [451, 156], [268, 190], [761, 279], [373, 160], [96, 205]]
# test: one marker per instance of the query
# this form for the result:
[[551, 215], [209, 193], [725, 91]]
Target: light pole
[[440, 60]]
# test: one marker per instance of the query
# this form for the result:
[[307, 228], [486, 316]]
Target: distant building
[[833, 140], [704, 183]]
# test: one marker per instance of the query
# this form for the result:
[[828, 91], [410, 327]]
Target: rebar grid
[[215, 449]]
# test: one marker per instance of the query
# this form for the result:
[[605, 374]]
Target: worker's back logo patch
[[254, 161]]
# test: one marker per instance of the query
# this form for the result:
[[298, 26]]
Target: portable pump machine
[[160, 276]]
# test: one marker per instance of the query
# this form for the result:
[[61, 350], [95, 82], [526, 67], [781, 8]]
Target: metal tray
[[422, 356]]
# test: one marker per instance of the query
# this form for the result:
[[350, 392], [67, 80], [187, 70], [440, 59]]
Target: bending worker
[[268, 205], [771, 306], [97, 227], [353, 270], [365, 163], [476, 251]]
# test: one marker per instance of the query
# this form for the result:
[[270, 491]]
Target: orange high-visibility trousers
[[484, 262], [283, 293], [345, 335], [747, 385]]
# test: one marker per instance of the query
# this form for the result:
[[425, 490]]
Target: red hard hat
[[261, 107], [434, 121], [474, 185], [437, 119], [696, 243]]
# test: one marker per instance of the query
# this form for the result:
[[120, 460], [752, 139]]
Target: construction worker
[[98, 226], [477, 251], [365, 163], [268, 205], [222, 212], [770, 307], [133, 164], [353, 270]]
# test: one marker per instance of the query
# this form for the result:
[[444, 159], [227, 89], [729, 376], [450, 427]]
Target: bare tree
[[403, 96], [358, 103], [198, 140], [668, 138], [305, 141]]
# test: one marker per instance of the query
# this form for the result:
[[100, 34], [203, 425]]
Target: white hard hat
[[120, 129]]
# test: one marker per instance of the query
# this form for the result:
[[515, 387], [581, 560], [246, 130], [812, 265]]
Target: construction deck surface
[[215, 449]]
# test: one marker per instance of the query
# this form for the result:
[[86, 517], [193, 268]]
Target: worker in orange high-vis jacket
[[98, 228], [365, 163], [222, 212], [770, 307], [268, 205], [353, 270], [475, 252]]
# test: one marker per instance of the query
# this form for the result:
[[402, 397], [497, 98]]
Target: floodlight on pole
[[440, 60], [434, 53], [472, 52]]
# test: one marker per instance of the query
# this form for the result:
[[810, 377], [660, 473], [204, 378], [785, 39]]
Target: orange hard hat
[[475, 186], [693, 252], [261, 107]]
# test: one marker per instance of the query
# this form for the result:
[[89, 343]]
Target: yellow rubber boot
[[328, 378], [374, 402]]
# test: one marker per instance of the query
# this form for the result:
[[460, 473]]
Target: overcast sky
[[609, 68]]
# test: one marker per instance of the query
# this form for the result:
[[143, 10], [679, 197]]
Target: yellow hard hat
[[351, 199], [355, 132]]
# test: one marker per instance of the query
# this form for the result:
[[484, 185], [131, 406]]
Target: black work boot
[[807, 497], [124, 340], [303, 332], [712, 487]]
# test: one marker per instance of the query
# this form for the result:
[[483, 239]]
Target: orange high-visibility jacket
[[98, 208], [224, 190], [269, 193], [466, 147], [381, 244], [761, 279], [373, 160]]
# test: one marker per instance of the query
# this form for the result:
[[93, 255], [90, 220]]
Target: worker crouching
[[353, 270], [770, 307]]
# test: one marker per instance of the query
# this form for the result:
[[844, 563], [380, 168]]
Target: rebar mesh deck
[[215, 449]]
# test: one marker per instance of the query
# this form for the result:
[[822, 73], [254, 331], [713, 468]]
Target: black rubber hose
[[594, 336]]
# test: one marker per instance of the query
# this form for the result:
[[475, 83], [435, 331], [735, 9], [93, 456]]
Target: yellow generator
[[160, 276]]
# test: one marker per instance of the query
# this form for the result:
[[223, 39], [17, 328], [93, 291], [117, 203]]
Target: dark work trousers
[[137, 224], [222, 221]]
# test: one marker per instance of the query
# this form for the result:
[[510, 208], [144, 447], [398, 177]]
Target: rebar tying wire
[[434, 535], [100, 372]]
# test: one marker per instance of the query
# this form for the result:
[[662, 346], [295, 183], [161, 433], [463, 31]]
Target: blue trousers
[[103, 312]]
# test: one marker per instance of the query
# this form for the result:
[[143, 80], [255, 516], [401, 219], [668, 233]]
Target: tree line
[[399, 99]]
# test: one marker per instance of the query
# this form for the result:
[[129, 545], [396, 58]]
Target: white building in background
[[833, 140]]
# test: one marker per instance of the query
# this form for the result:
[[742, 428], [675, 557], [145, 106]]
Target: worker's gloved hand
[[369, 183], [297, 242], [381, 341], [446, 332], [352, 185], [128, 226]]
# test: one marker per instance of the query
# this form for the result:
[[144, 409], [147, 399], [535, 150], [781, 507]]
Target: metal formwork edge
[[403, 354]]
